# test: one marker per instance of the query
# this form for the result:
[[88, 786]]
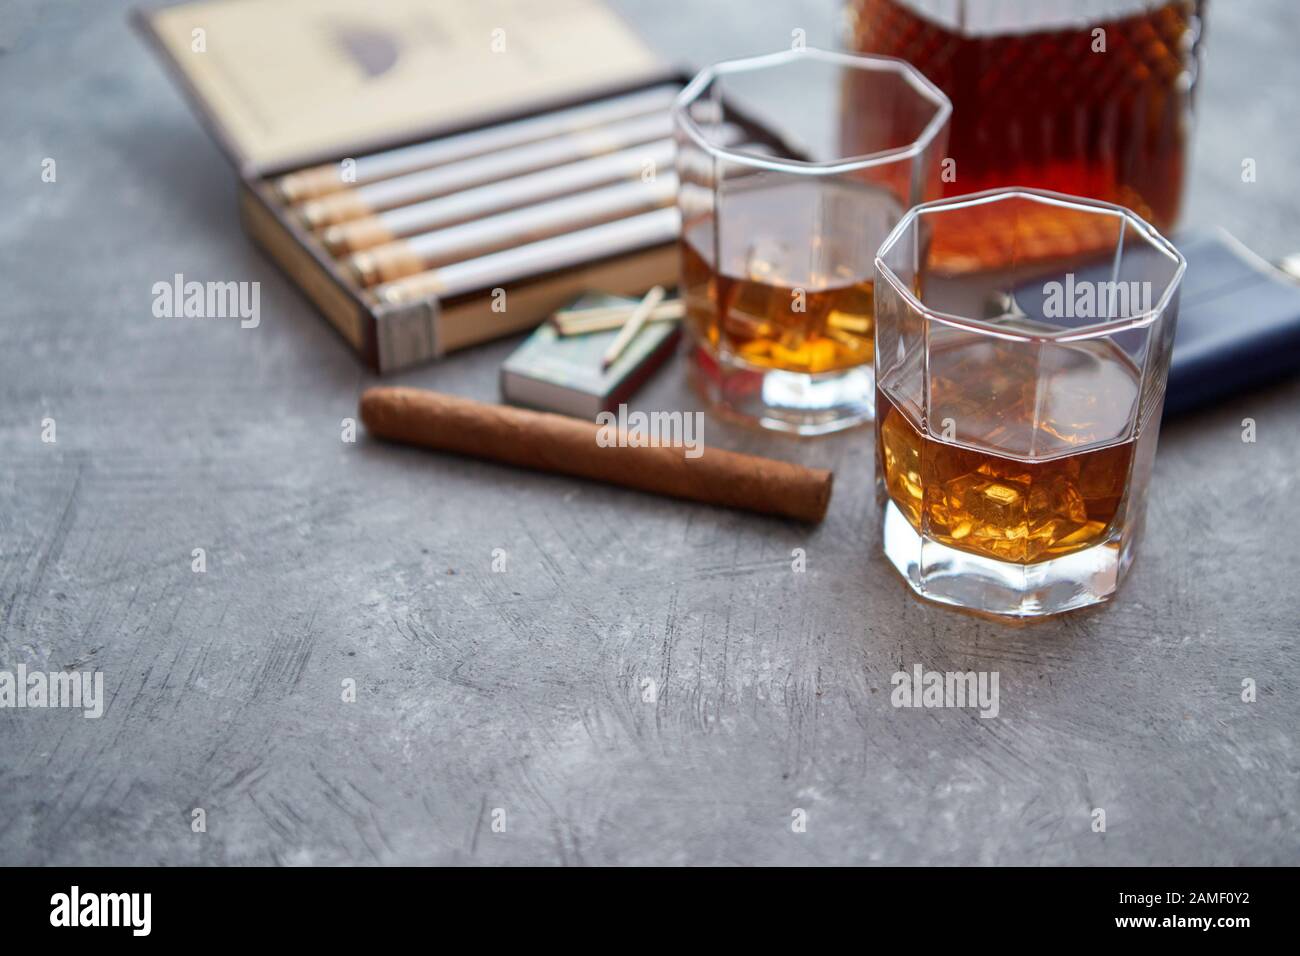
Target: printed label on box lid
[[298, 81]]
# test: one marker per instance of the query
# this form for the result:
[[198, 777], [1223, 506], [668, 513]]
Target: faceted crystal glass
[[1019, 397], [779, 239]]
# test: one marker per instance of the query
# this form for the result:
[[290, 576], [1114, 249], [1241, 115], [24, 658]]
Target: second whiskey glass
[[1019, 404], [778, 245]]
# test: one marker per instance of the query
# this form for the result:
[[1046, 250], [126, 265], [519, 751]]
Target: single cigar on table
[[324, 179], [441, 180], [406, 257], [557, 443], [535, 258]]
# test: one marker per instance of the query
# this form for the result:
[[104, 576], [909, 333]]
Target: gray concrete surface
[[523, 690]]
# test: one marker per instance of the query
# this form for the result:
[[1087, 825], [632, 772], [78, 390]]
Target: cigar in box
[[521, 226], [504, 195], [557, 443], [546, 255], [468, 204], [492, 167], [391, 122], [563, 374], [572, 224], [322, 180]]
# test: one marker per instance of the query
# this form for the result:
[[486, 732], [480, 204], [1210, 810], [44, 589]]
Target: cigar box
[[293, 85]]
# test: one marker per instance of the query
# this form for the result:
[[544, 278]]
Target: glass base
[[798, 402], [940, 573]]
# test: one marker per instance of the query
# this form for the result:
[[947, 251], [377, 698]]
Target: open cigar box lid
[[289, 83]]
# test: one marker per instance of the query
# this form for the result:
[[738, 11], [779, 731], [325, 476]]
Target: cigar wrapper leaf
[[556, 443]]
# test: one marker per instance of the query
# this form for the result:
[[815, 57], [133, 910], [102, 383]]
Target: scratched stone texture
[[522, 690]]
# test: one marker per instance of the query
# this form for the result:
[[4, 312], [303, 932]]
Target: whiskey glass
[[778, 243], [1019, 401]]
